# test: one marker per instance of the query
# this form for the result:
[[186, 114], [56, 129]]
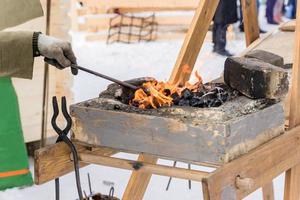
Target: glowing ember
[[158, 94]]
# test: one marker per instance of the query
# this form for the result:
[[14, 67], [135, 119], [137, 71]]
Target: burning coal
[[156, 94]]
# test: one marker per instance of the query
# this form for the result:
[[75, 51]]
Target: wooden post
[[139, 181], [45, 84], [268, 191], [193, 41], [295, 93], [292, 180], [251, 25], [205, 190]]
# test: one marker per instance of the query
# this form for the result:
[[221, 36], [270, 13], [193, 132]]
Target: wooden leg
[[292, 179], [139, 181], [250, 21], [268, 191], [292, 184], [205, 191]]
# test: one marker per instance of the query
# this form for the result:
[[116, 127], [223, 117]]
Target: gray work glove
[[57, 52]]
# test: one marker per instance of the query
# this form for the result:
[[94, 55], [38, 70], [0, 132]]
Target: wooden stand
[[231, 181]]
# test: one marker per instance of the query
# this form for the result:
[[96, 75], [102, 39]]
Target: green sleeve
[[16, 54]]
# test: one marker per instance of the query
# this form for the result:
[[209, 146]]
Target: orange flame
[[156, 94]]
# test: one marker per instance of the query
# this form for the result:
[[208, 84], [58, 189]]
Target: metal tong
[[63, 136]]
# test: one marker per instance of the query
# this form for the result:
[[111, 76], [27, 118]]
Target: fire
[[154, 94]]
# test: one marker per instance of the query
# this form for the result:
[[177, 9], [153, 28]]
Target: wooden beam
[[193, 41], [250, 21], [292, 182], [100, 23], [139, 181], [289, 26], [105, 6], [267, 43], [146, 167], [54, 161], [261, 165], [152, 9], [159, 36], [94, 11]]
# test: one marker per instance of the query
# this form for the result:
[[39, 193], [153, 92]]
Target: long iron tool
[[122, 83]]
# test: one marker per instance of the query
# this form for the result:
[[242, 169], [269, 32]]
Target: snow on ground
[[124, 62]]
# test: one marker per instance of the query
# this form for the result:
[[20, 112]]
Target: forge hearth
[[212, 135]]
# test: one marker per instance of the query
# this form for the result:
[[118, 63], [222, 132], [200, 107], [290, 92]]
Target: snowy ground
[[122, 61]]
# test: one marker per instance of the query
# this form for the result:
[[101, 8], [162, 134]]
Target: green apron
[[13, 156]]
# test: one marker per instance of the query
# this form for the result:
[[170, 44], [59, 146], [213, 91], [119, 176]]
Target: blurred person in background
[[226, 14], [274, 11]]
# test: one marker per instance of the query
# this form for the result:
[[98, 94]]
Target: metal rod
[[190, 182], [90, 184], [122, 83], [170, 179]]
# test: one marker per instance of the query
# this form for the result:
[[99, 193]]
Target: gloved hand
[[59, 51]]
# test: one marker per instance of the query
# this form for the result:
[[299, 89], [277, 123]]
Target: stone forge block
[[255, 78], [266, 57]]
